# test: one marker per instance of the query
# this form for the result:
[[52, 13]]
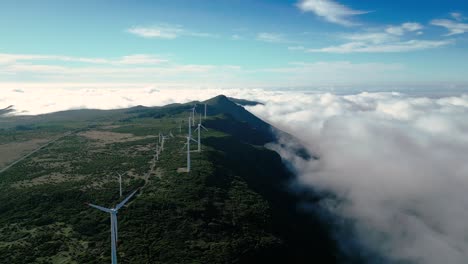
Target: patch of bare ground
[[53, 178], [109, 127], [107, 137], [10, 152], [158, 173], [182, 170]]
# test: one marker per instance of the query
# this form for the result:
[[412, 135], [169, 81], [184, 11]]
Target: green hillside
[[233, 207]]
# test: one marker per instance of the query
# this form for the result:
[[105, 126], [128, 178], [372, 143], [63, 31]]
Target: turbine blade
[[126, 200], [185, 145], [204, 127], [107, 210], [193, 140]]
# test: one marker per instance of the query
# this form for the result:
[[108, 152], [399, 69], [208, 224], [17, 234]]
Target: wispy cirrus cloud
[[272, 37], [403, 28], [6, 58], [331, 11], [166, 31], [399, 38], [399, 46], [454, 27], [457, 16]]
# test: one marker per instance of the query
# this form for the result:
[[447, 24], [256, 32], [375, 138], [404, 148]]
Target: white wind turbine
[[162, 141], [200, 126], [189, 137], [113, 216], [157, 152], [193, 114]]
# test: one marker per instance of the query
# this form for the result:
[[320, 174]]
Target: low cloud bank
[[397, 164]]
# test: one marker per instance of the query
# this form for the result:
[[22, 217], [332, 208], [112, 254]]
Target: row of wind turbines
[[159, 148], [191, 122]]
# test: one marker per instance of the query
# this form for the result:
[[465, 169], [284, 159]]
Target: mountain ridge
[[234, 207]]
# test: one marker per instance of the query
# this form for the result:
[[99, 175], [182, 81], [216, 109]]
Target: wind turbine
[[200, 126], [113, 217], [157, 152], [205, 110], [189, 137], [120, 183], [162, 142], [193, 114]]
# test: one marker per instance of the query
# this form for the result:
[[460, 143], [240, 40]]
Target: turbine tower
[[189, 137], [157, 152], [200, 126], [205, 110], [193, 114], [113, 217]]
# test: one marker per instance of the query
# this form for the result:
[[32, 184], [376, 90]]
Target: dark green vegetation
[[233, 207]]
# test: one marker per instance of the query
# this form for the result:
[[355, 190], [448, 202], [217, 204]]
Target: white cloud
[[399, 46], [236, 37], [272, 37], [166, 31], [453, 27], [330, 10], [6, 58], [396, 164], [392, 39], [403, 28], [140, 59], [129, 59], [457, 16], [376, 37], [163, 32]]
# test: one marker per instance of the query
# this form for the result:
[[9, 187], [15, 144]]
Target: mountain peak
[[219, 100]]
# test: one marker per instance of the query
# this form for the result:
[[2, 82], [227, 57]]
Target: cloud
[[272, 37], [330, 10], [400, 46], [392, 39], [163, 32], [166, 31], [403, 28], [140, 59], [6, 58], [395, 163], [236, 37], [457, 16], [453, 27]]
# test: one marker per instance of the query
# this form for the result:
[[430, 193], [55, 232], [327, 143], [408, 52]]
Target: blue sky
[[234, 43]]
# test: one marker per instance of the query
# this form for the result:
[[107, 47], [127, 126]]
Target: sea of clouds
[[397, 164]]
